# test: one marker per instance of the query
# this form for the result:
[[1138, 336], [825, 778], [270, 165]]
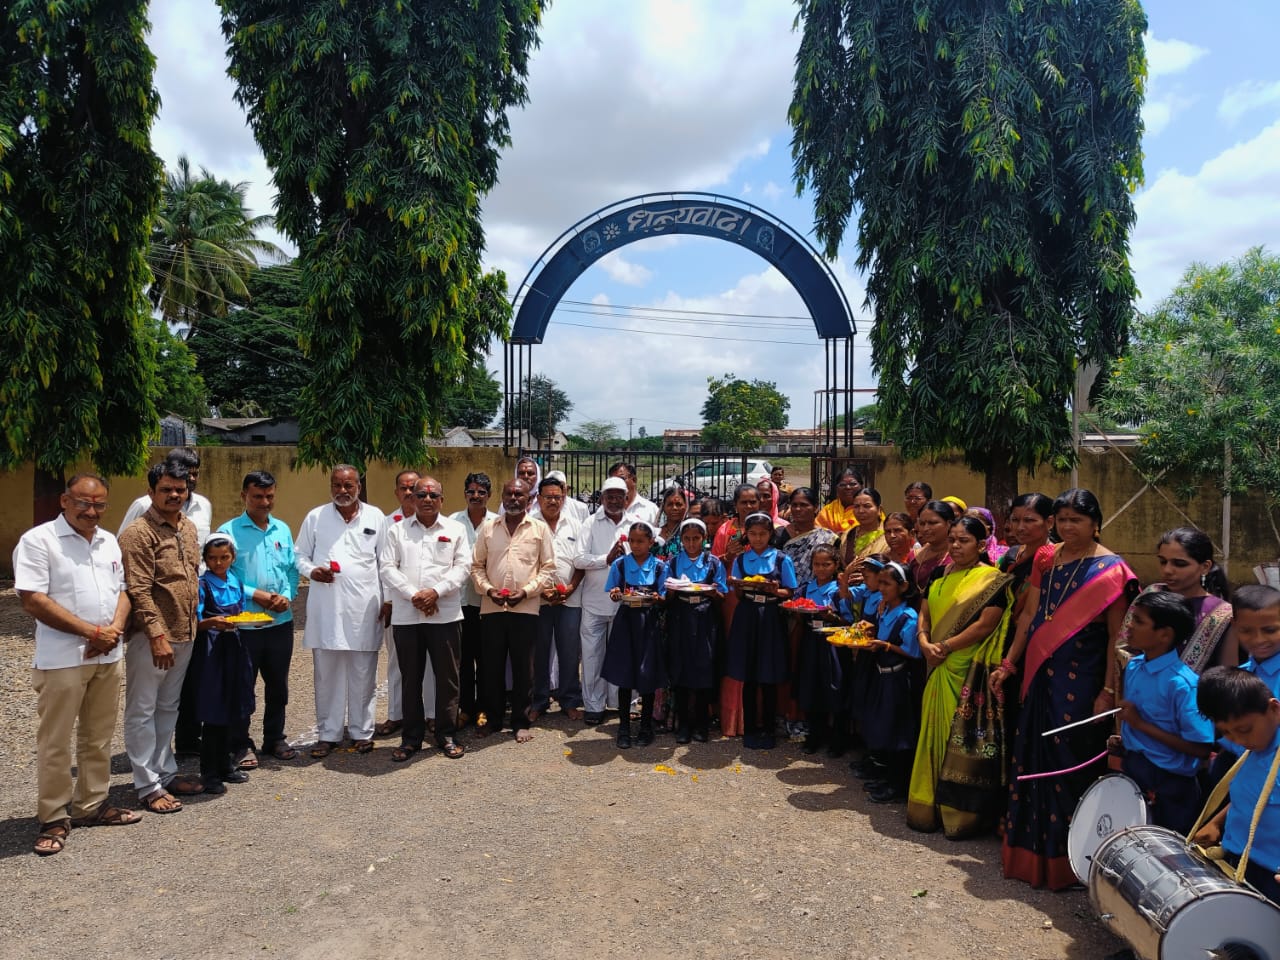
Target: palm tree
[[203, 246]]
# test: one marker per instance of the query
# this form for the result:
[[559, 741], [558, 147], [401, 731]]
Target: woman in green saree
[[957, 781]]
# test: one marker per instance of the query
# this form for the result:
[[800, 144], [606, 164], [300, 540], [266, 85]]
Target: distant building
[[251, 430], [496, 438], [176, 432]]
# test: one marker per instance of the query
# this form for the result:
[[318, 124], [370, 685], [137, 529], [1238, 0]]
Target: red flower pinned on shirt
[[443, 540], [335, 566]]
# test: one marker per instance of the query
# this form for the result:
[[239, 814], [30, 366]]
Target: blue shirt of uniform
[[862, 597], [751, 564], [1268, 671], [264, 561], [823, 594], [910, 623], [647, 574], [695, 569], [1164, 691], [228, 595], [1246, 787]]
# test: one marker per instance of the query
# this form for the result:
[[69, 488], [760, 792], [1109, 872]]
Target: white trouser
[[395, 682], [346, 682], [597, 693], [151, 712]]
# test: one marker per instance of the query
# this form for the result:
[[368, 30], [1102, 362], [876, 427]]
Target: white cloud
[[1245, 97], [624, 271], [1165, 57], [1230, 204]]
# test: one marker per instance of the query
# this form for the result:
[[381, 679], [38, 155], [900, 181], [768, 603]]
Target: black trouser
[[897, 766], [470, 666], [829, 728], [270, 651], [692, 708], [503, 635], [186, 733], [441, 642], [215, 750], [759, 718]]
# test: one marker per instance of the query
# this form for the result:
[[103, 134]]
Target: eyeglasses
[[101, 507], [427, 495]]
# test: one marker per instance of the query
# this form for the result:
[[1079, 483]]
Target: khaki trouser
[[89, 694]]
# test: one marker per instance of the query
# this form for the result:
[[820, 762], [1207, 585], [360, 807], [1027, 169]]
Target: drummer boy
[[1165, 736], [1245, 710]]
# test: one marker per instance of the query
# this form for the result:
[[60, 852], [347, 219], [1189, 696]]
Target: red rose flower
[[443, 540], [335, 566]]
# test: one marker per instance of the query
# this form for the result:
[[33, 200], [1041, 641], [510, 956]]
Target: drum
[[1113, 803], [1169, 903]]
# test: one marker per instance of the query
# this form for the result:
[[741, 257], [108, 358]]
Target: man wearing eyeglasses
[[560, 617], [478, 489], [161, 572], [69, 576], [424, 566]]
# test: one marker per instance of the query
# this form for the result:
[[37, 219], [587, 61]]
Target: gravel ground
[[563, 846]]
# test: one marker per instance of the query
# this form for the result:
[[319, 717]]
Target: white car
[[714, 478]]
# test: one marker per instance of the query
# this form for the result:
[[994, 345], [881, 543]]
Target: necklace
[[1063, 589]]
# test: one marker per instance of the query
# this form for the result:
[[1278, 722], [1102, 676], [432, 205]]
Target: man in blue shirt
[[264, 563], [1164, 734]]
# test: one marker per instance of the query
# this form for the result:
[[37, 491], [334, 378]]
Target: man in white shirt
[[572, 507], [478, 489], [338, 547], [197, 507], [602, 541], [69, 575], [424, 566], [560, 617], [406, 480], [637, 507]]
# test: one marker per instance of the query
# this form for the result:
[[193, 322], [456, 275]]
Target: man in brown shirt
[[512, 563], [161, 572]]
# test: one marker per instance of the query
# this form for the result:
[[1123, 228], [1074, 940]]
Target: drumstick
[[1059, 773], [1081, 723]]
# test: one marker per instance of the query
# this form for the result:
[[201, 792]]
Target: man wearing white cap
[[636, 507], [603, 540]]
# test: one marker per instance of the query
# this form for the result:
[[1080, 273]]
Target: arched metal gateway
[[696, 214]]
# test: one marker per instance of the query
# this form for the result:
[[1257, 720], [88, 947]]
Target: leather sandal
[[322, 749], [163, 802], [185, 786], [452, 749], [107, 816], [403, 752], [52, 837], [364, 746]]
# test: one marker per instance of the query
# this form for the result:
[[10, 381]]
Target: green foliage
[[474, 399], [204, 246], [599, 435], [178, 387], [249, 357], [737, 414], [382, 123], [991, 152], [545, 407], [1200, 375], [78, 188]]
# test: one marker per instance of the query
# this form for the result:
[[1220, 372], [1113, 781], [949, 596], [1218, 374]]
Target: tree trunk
[[47, 491], [1002, 487]]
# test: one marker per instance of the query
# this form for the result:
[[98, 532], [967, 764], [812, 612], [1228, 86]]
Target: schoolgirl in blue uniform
[[819, 682], [859, 602], [225, 696], [890, 709], [757, 648], [693, 631], [634, 657]]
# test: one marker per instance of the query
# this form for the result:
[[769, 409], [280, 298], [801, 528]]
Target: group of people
[[971, 651]]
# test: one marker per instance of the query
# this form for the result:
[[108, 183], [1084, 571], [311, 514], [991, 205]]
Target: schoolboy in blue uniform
[[1248, 713], [1256, 622], [1164, 734]]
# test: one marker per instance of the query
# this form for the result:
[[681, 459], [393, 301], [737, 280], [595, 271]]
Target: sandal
[[322, 749], [107, 816], [185, 786], [403, 752], [163, 802], [523, 735], [364, 746], [387, 728], [52, 837], [282, 751], [574, 713], [248, 760], [452, 749]]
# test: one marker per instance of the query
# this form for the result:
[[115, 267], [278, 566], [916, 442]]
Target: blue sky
[[659, 95]]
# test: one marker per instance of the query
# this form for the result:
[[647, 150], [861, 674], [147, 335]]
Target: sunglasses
[[427, 495]]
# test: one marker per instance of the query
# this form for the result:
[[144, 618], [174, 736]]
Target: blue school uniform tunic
[[757, 647], [692, 622], [225, 693], [635, 655], [1164, 691], [1245, 790], [889, 709], [818, 685]]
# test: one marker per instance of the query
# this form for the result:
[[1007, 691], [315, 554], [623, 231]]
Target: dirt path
[[563, 846]]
